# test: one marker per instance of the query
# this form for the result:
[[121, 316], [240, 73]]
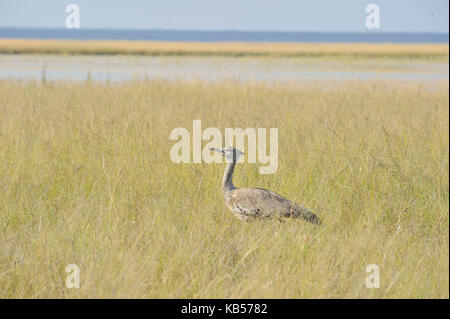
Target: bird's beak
[[216, 150]]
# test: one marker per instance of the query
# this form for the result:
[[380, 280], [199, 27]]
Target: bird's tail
[[305, 214]]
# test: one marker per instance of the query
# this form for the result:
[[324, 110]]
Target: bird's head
[[230, 153]]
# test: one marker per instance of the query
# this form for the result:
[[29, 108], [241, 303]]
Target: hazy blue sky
[[277, 15]]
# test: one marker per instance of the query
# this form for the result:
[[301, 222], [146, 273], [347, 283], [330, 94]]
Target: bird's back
[[256, 203]]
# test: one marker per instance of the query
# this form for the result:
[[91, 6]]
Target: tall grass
[[351, 50], [86, 179]]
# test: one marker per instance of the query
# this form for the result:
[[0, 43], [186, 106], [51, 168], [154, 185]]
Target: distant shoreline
[[228, 49], [223, 36]]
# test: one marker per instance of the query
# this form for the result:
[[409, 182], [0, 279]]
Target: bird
[[257, 203]]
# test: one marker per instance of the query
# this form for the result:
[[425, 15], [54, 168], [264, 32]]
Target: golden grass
[[86, 179], [413, 51]]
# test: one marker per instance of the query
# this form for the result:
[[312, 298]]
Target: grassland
[[86, 179], [333, 50]]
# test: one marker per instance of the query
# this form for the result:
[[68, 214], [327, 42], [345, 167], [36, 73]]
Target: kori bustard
[[257, 203]]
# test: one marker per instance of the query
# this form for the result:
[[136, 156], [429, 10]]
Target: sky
[[248, 15]]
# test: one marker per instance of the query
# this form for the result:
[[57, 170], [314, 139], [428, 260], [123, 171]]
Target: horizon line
[[223, 30]]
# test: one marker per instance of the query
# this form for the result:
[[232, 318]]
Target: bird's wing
[[263, 203], [259, 202]]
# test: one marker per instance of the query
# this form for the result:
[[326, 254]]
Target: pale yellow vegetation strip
[[17, 46]]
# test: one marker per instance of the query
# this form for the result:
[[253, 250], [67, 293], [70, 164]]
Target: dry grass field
[[86, 179], [349, 50]]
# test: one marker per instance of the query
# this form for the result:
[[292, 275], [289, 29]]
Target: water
[[223, 36], [125, 68]]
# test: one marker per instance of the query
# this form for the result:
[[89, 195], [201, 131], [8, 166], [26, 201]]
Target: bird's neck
[[227, 182]]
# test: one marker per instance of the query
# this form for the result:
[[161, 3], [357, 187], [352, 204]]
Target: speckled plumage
[[257, 203]]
